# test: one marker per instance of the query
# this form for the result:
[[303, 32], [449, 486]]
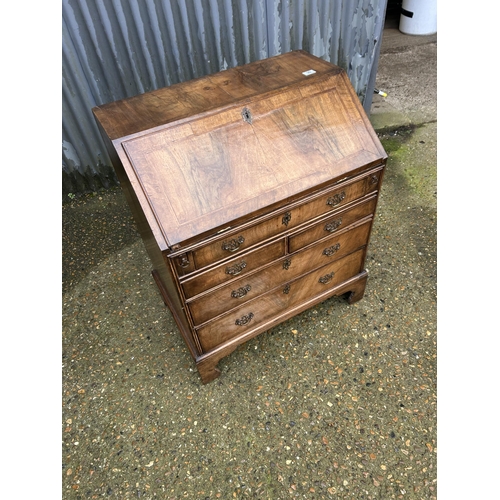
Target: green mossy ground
[[411, 159]]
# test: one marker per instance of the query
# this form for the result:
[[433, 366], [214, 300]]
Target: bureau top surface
[[203, 153], [182, 100]]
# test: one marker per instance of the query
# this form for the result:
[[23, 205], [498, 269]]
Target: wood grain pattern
[[238, 266], [335, 223], [263, 308], [254, 190], [327, 201], [180, 101], [283, 270], [220, 167]]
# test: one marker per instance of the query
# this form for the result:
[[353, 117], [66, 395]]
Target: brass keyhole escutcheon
[[247, 116]]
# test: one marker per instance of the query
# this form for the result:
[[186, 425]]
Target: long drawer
[[227, 297], [267, 307], [235, 242]]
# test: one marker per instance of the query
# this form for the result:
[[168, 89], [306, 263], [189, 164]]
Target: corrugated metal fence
[[114, 49]]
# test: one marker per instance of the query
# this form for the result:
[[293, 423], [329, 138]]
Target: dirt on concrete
[[337, 402]]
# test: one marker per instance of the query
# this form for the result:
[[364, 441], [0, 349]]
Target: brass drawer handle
[[286, 218], [241, 292], [287, 288], [333, 226], [336, 199], [244, 319], [331, 250], [286, 264], [234, 244], [326, 278], [236, 269]]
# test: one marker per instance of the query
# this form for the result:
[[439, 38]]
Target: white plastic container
[[418, 17]]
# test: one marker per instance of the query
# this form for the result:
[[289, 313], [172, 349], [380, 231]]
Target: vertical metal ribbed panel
[[342, 32], [114, 49]]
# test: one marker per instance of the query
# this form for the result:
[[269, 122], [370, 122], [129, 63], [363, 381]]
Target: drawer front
[[267, 307], [239, 266], [341, 220], [334, 199], [330, 200], [374, 179], [251, 286], [241, 241]]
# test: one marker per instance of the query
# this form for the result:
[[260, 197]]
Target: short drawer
[[270, 306], [227, 297], [336, 223], [241, 241], [285, 220], [342, 195], [239, 266]]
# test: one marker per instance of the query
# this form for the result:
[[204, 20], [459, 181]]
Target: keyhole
[[247, 116]]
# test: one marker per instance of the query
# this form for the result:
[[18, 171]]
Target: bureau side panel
[[168, 287]]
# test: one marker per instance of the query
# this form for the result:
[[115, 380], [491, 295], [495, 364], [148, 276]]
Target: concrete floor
[[338, 402]]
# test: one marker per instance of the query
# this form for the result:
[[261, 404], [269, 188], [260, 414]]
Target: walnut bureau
[[254, 190]]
